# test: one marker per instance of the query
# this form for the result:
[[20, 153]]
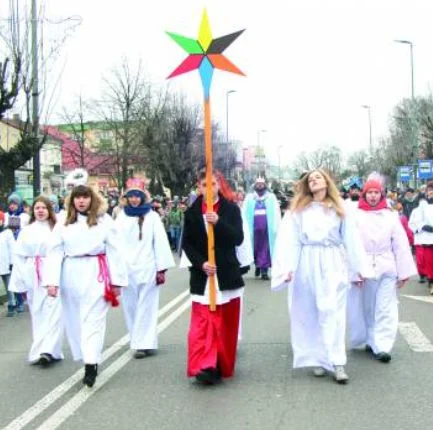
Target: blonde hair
[[304, 196]]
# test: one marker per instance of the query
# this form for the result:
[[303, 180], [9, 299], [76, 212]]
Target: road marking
[[415, 337], [62, 414], [426, 299], [46, 401]]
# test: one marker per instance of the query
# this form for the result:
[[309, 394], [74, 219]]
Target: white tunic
[[7, 243], [27, 274], [421, 216], [317, 246], [373, 308], [144, 258], [82, 288]]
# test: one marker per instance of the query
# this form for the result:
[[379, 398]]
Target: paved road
[[266, 393]]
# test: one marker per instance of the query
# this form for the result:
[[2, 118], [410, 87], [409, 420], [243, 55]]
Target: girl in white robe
[[84, 259], [147, 252], [373, 304], [27, 274], [315, 244]]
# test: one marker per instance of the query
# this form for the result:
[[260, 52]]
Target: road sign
[[425, 169], [405, 173]]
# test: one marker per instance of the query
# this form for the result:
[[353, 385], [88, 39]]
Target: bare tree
[[121, 107], [328, 158]]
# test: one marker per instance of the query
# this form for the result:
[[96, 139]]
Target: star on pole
[[205, 54]]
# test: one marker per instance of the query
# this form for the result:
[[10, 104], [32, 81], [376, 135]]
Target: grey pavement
[[265, 393]]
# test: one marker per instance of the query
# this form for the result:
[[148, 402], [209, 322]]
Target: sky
[[309, 64]]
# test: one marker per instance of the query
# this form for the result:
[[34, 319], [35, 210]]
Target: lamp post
[[408, 42], [369, 126], [227, 131], [259, 132], [35, 101]]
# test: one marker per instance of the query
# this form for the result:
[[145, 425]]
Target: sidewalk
[[2, 292]]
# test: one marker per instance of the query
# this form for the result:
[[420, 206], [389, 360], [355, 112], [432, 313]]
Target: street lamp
[[227, 130], [408, 42], [369, 125]]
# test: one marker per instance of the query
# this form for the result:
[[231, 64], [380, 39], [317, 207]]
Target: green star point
[[191, 46]]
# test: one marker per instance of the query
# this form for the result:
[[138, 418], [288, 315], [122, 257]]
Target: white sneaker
[[340, 375], [319, 371]]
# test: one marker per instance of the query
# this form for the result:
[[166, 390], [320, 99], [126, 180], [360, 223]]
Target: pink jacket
[[386, 244]]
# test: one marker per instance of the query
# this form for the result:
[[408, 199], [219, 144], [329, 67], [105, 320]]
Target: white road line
[[44, 403], [415, 337], [426, 299], [62, 414]]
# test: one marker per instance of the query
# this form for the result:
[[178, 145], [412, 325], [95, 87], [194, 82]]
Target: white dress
[[74, 265], [373, 308], [318, 246], [144, 258], [29, 263]]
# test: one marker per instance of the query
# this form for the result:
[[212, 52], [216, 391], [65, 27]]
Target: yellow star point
[[205, 33]]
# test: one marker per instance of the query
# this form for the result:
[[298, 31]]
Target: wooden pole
[[209, 200]]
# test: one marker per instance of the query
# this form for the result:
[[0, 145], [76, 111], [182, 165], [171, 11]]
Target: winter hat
[[135, 186], [15, 198], [76, 177], [374, 181]]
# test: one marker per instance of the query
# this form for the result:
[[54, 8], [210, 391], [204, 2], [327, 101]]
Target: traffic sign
[[425, 169], [405, 173]]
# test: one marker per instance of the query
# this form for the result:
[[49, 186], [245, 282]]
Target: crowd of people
[[342, 255]]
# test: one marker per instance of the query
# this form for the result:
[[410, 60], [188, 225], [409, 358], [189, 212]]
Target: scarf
[[216, 207], [139, 210], [363, 205], [17, 212]]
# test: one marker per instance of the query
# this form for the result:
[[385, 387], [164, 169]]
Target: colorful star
[[205, 54]]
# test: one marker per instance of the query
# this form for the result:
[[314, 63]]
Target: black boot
[[422, 279], [209, 376], [257, 272], [265, 275], [46, 359], [90, 372]]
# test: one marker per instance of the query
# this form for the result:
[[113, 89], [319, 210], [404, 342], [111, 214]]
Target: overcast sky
[[310, 65]]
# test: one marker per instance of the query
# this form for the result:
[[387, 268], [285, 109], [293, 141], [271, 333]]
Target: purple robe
[[262, 254]]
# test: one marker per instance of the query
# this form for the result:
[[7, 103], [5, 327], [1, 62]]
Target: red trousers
[[213, 338], [420, 263], [427, 252]]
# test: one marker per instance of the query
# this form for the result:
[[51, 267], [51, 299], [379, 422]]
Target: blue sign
[[405, 173], [425, 169]]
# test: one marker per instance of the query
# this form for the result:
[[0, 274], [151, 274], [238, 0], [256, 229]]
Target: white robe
[[373, 308], [27, 275], [316, 245], [143, 258], [7, 243], [72, 264]]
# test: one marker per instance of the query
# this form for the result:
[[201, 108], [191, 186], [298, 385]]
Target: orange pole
[[209, 200]]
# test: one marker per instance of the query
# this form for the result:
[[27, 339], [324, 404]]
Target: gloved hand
[[160, 277], [245, 269], [10, 267], [427, 228]]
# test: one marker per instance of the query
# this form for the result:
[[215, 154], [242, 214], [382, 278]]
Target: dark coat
[[228, 235]]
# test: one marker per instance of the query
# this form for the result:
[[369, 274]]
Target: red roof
[[94, 163]]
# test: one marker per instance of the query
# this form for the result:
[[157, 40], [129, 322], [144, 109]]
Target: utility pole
[[35, 101]]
